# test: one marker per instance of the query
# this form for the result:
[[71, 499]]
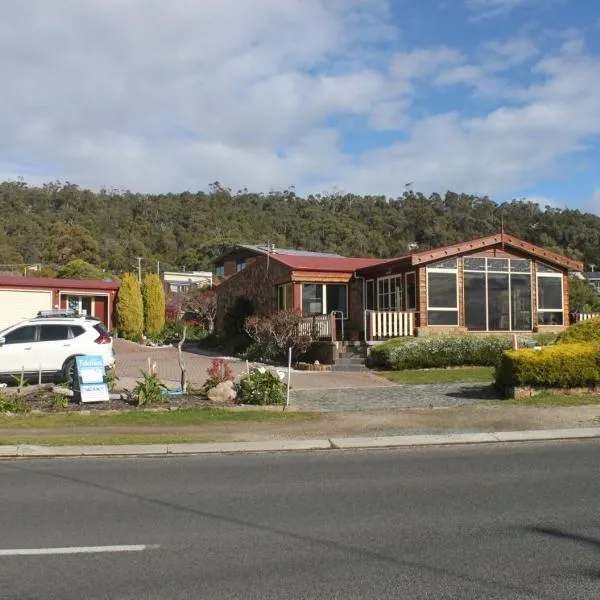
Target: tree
[[203, 303], [70, 242], [80, 269], [154, 305], [582, 296], [130, 309]]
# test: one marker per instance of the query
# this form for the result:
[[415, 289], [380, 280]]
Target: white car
[[50, 342]]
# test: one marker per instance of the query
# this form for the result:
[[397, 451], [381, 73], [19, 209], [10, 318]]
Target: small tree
[[80, 269], [130, 309], [202, 302], [154, 305]]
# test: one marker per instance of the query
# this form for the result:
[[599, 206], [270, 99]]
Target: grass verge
[[432, 376], [544, 400], [102, 440], [184, 417]]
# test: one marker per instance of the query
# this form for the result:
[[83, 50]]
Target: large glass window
[[322, 298], [337, 298], [312, 298], [389, 293], [497, 294], [442, 293], [549, 295]]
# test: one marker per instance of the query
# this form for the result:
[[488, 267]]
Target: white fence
[[384, 324], [319, 325], [585, 316]]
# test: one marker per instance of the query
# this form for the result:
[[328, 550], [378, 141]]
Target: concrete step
[[355, 360]]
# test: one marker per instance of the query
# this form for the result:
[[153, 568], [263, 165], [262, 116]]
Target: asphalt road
[[503, 521]]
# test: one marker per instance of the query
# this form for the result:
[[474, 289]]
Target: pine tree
[[130, 309], [154, 305]]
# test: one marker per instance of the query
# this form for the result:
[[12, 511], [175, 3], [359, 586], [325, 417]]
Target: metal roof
[[274, 250], [8, 281]]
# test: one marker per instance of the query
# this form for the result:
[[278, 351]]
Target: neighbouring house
[[498, 283], [181, 281], [22, 297], [593, 278], [242, 255]]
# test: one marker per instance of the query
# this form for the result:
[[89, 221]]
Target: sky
[[491, 97]]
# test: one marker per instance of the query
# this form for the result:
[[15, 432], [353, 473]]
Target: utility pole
[[158, 267], [139, 259]]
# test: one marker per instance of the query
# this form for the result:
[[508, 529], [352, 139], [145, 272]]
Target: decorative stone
[[223, 392]]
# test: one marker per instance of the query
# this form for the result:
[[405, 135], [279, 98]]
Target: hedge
[[584, 331], [442, 351], [560, 366]]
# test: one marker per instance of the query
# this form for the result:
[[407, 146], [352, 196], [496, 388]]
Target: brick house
[[498, 283]]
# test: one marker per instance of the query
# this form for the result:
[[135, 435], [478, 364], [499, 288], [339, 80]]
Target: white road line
[[75, 550]]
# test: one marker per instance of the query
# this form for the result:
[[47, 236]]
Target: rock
[[223, 392]]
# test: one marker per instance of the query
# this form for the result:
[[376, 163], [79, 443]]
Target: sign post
[[90, 379]]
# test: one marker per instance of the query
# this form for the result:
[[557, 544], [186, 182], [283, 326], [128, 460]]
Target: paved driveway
[[312, 391]]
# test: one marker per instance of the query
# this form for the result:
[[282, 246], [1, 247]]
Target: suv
[[50, 342]]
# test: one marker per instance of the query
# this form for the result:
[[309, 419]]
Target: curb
[[342, 443]]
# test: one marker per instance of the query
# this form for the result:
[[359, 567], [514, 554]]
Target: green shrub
[[13, 404], [130, 309], [444, 351], [149, 389], [380, 355], [260, 352], [561, 365], [261, 387], [153, 294], [584, 331], [173, 330]]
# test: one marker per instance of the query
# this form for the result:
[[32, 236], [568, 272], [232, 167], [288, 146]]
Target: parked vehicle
[[50, 342]]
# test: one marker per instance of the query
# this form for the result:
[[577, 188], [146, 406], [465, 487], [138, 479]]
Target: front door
[[81, 304]]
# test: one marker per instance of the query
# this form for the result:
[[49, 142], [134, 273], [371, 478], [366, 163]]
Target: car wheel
[[68, 371]]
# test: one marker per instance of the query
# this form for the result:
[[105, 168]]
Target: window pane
[[475, 313], [442, 290], [449, 263], [498, 303], [289, 296], [550, 318], [442, 317], [474, 264], [520, 289], [76, 330], [520, 265], [371, 295], [497, 264], [337, 298], [281, 297], [23, 335], [411, 291], [543, 268], [550, 292], [312, 299], [54, 333]]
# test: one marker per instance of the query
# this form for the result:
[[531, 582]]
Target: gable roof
[[500, 239]]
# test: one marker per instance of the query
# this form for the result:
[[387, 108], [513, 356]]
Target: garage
[[18, 305]]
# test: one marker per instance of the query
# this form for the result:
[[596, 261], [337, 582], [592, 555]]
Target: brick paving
[[313, 391]]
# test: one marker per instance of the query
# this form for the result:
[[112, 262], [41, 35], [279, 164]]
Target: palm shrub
[[153, 294], [130, 309], [149, 389]]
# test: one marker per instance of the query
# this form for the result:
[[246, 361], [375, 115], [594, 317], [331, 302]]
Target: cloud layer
[[128, 94]]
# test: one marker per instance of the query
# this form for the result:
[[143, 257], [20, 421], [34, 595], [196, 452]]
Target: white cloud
[[492, 8], [128, 94]]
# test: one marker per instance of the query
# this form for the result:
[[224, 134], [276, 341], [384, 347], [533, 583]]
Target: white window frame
[[378, 295], [324, 300], [556, 274], [510, 272], [443, 309]]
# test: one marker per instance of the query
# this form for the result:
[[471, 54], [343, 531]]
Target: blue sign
[[91, 379]]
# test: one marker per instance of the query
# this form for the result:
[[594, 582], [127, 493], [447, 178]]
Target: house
[[593, 278], [180, 281], [22, 297], [498, 283], [239, 257]]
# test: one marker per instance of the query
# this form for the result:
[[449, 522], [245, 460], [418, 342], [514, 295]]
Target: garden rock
[[222, 392]]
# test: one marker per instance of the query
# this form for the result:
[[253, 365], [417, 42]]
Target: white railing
[[319, 325], [585, 316], [387, 324]]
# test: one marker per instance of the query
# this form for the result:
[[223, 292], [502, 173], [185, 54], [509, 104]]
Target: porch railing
[[318, 326], [584, 316], [381, 324]]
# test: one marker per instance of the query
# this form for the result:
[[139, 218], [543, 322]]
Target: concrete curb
[[342, 443]]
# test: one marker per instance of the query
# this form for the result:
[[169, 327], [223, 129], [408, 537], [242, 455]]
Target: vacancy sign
[[91, 377]]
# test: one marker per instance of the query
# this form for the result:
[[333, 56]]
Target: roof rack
[[67, 313]]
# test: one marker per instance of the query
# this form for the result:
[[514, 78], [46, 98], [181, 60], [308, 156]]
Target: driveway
[[310, 391]]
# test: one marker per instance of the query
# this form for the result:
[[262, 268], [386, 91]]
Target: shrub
[[381, 355], [149, 390], [13, 405], [154, 305], [444, 351], [261, 387], [218, 372], [130, 309], [584, 331], [561, 365], [173, 330], [262, 352]]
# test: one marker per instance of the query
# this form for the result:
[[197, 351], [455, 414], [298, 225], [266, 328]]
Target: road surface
[[502, 521]]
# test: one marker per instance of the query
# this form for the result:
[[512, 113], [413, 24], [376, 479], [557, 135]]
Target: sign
[[90, 380]]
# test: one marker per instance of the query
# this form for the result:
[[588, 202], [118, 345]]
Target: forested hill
[[56, 223]]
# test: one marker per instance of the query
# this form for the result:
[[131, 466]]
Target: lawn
[[177, 418], [431, 376], [544, 399], [116, 439]]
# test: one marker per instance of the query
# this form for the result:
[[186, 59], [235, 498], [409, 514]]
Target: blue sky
[[495, 97]]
